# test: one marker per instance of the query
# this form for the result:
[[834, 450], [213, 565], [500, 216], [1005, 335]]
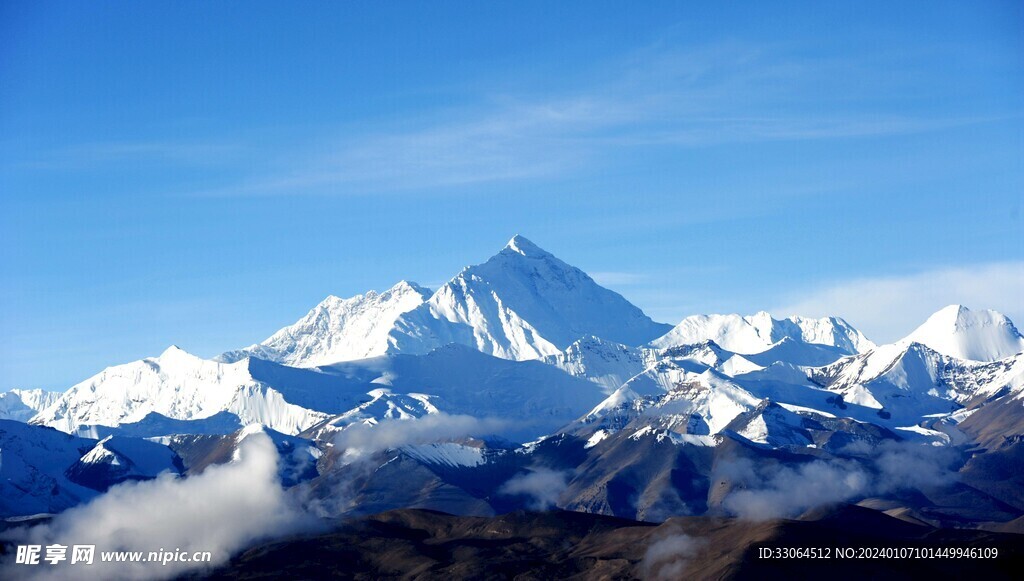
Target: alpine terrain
[[522, 386]]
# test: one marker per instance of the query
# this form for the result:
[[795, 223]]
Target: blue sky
[[203, 173]]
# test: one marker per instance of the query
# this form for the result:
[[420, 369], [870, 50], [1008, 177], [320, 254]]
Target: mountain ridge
[[337, 329], [759, 332]]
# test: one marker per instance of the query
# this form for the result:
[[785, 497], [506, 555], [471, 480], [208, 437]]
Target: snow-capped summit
[[177, 354], [957, 331], [337, 329], [523, 303], [759, 332], [524, 247]]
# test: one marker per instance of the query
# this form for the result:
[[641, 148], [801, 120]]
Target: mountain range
[[521, 383]]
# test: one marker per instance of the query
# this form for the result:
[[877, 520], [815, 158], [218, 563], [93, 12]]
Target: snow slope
[[523, 303], [337, 329], [155, 425], [665, 366], [453, 454], [959, 332], [760, 332], [790, 350], [530, 397]]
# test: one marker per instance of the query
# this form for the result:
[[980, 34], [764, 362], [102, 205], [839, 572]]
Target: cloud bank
[[787, 492], [222, 510], [769, 491]]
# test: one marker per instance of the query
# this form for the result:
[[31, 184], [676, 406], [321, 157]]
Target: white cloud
[[363, 439], [541, 485], [669, 557], [787, 492], [222, 510], [888, 308]]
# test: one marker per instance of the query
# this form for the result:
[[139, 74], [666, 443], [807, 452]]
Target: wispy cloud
[[507, 142], [656, 97], [711, 95], [889, 307]]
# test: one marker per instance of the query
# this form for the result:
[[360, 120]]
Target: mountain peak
[[950, 314], [981, 335], [404, 286], [520, 245], [522, 303], [173, 351]]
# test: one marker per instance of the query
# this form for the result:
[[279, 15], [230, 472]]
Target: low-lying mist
[[222, 510]]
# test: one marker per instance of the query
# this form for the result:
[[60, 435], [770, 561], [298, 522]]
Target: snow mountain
[[117, 459], [180, 386], [908, 382], [957, 331], [523, 370], [23, 404], [760, 332], [179, 393], [523, 303], [337, 329], [700, 404], [906, 390], [603, 362]]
